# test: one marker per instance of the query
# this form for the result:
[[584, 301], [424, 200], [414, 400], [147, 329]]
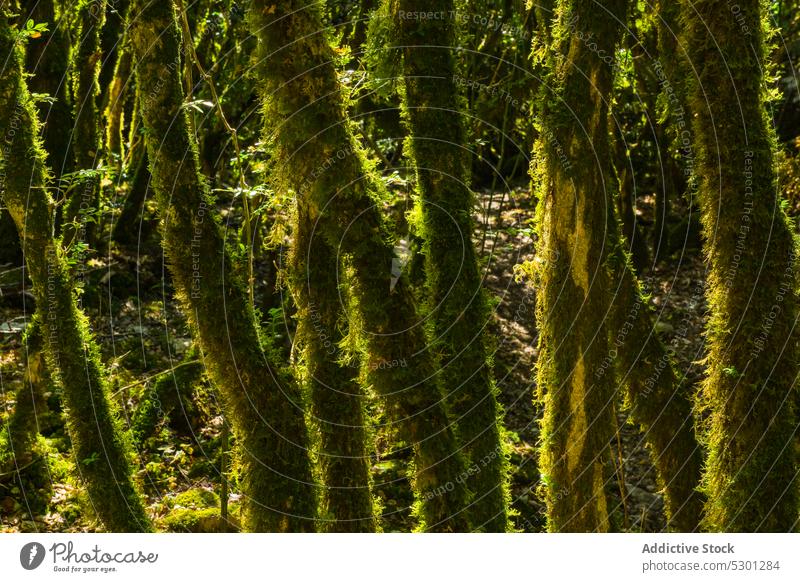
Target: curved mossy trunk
[[571, 168], [319, 158], [751, 472], [626, 203], [658, 400], [114, 111], [83, 204], [437, 147], [262, 402], [128, 228], [47, 59], [72, 355], [337, 397]]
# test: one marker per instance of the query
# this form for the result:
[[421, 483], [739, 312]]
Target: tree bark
[[262, 401], [571, 167], [751, 472], [319, 158], [72, 355], [437, 147]]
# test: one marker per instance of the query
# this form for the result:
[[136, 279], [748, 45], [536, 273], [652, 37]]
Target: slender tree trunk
[[128, 227], [659, 402], [319, 158], [84, 202], [572, 162], [751, 473], [636, 243], [336, 395], [47, 60], [115, 109], [262, 402], [437, 145], [73, 359]]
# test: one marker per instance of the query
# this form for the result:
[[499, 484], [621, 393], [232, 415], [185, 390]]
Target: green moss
[[751, 470], [72, 354], [262, 402], [337, 395], [571, 271], [319, 159], [437, 147], [84, 200], [48, 58], [658, 400]]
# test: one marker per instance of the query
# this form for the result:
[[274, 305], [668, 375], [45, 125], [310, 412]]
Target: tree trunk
[[751, 472], [659, 402], [47, 60], [263, 402], [73, 359], [81, 217], [319, 158], [336, 395], [437, 146], [571, 167]]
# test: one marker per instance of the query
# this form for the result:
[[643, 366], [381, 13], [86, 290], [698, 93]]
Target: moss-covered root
[[751, 473], [263, 404], [72, 355], [438, 149], [571, 273], [318, 157], [336, 395], [659, 402]]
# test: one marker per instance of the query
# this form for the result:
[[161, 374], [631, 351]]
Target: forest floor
[[146, 345]]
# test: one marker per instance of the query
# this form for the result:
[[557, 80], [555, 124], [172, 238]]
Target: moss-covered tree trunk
[[337, 396], [319, 158], [73, 360], [47, 59], [751, 472], [262, 402], [84, 201], [658, 400], [571, 169], [437, 146]]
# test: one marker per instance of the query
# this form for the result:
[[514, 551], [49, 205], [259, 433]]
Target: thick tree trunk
[[263, 403], [73, 359], [319, 158], [572, 163], [437, 146], [751, 472]]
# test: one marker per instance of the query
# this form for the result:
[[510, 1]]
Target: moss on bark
[[337, 395], [751, 472], [319, 158], [571, 168], [47, 59], [658, 400], [72, 355], [437, 147], [83, 204], [262, 401]]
